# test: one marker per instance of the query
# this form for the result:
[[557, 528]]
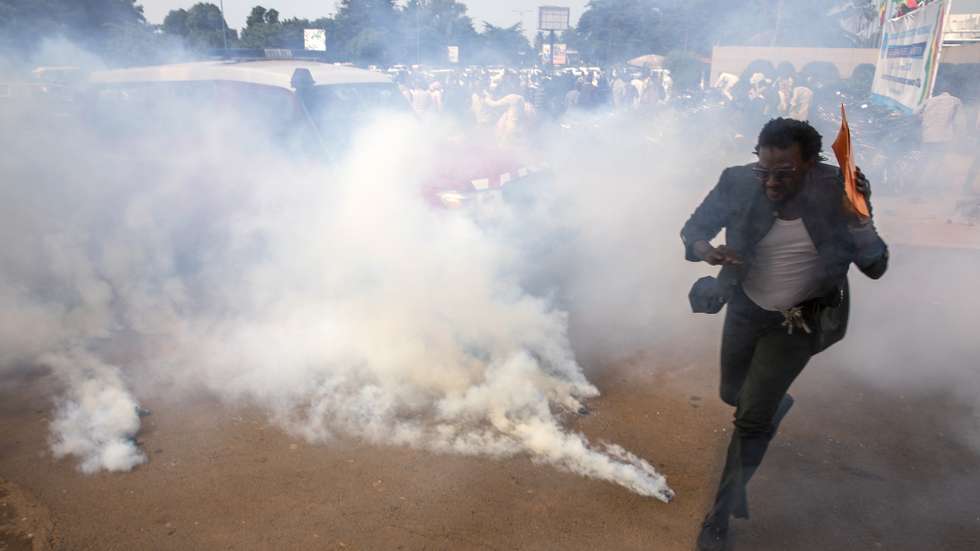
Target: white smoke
[[97, 419], [335, 298]]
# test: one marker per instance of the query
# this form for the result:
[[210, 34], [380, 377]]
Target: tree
[[365, 31], [611, 31], [89, 23], [141, 44], [615, 30], [175, 23], [539, 41], [432, 25], [504, 45], [262, 29], [202, 27], [256, 17]]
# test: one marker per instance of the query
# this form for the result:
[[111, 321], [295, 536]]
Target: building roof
[[273, 72]]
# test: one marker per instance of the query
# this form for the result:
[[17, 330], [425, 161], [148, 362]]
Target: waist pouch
[[708, 295]]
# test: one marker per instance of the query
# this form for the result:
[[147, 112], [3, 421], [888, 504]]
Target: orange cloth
[[845, 158]]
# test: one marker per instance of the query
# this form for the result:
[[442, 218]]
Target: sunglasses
[[781, 175]]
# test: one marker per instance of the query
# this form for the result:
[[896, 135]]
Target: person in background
[[941, 117], [630, 97], [573, 96], [790, 240], [478, 108], [456, 99], [969, 205], [799, 105], [639, 83], [619, 85], [972, 187], [652, 94], [436, 93], [603, 90], [758, 86], [512, 123], [587, 92], [421, 98], [725, 83], [784, 95]]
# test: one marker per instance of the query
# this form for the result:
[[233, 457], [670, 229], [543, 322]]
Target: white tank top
[[787, 268]]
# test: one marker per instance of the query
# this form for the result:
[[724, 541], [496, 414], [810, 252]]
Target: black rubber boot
[[714, 533]]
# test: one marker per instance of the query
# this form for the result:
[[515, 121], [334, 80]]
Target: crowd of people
[[763, 97], [511, 102]]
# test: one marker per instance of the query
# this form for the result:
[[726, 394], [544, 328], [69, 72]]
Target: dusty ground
[[857, 465]]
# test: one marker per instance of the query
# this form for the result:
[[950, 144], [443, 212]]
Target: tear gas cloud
[[341, 303], [332, 296]]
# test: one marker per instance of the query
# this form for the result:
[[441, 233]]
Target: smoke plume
[[333, 296]]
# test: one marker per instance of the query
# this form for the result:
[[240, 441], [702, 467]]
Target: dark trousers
[[759, 362]]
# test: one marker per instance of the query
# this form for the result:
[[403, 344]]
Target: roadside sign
[[909, 57], [315, 40], [553, 18], [561, 54], [453, 52]]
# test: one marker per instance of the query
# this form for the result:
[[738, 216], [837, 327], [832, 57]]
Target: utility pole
[[520, 13], [779, 22], [224, 26], [551, 50]]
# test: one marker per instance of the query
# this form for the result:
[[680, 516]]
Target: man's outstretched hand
[[862, 185], [716, 256]]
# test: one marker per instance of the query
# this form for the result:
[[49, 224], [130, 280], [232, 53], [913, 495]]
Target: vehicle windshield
[[338, 109]]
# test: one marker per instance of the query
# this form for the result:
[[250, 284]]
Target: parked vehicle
[[309, 105]]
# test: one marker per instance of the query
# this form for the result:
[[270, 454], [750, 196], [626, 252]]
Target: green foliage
[[202, 27], [139, 44], [206, 27], [262, 29], [616, 30], [89, 23], [685, 68], [363, 31], [430, 26], [175, 23], [503, 46]]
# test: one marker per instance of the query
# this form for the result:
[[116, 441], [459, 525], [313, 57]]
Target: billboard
[[909, 57], [561, 54], [315, 40], [453, 53], [553, 18], [560, 57]]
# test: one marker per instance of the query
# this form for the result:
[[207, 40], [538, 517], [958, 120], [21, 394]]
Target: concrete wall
[[967, 53], [734, 59]]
